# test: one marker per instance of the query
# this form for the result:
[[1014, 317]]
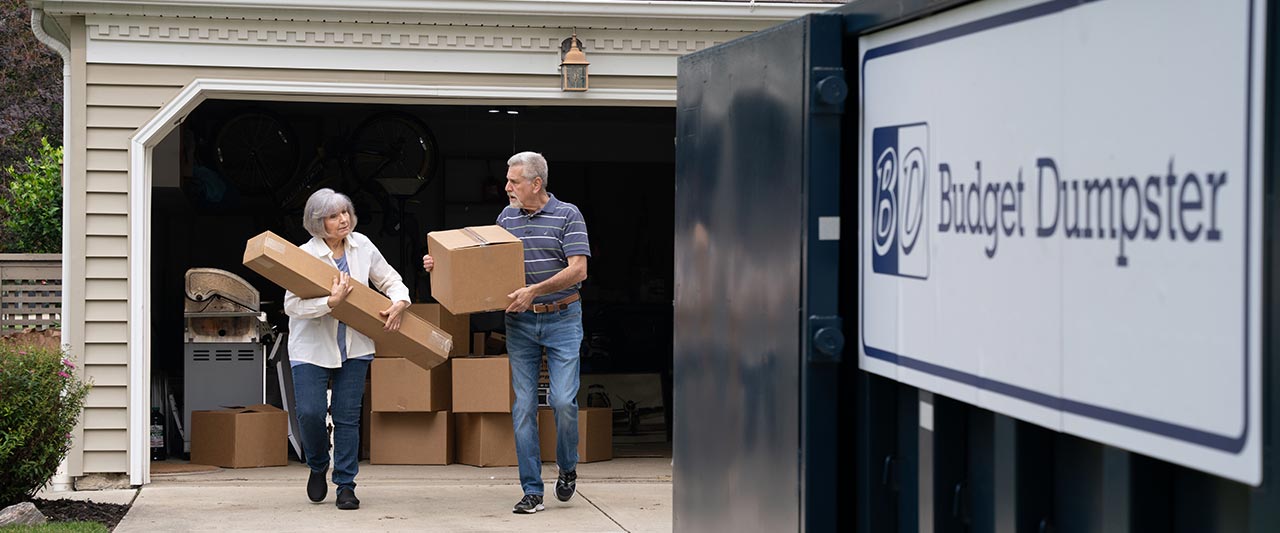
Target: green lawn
[[58, 527]]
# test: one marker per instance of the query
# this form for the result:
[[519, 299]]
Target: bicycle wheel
[[256, 151], [395, 149]]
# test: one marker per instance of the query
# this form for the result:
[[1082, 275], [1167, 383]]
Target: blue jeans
[[560, 332], [309, 384]]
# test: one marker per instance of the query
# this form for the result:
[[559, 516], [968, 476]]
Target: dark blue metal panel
[[756, 335]]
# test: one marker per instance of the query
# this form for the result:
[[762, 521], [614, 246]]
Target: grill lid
[[211, 290]]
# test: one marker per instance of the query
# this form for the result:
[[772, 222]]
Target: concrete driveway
[[617, 495]]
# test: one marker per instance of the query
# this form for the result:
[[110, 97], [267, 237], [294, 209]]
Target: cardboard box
[[495, 344], [240, 437], [308, 276], [488, 343], [595, 434], [457, 326], [482, 385], [476, 268], [400, 386], [485, 439], [412, 438]]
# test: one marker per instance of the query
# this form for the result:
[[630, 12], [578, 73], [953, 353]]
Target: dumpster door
[[757, 341]]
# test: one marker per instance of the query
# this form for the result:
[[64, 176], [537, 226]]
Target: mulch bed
[[59, 510]]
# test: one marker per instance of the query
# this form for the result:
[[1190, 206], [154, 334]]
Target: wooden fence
[[30, 292]]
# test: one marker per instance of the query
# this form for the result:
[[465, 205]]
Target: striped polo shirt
[[550, 235]]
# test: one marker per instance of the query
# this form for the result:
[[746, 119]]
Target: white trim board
[[387, 60], [168, 117], [348, 10]]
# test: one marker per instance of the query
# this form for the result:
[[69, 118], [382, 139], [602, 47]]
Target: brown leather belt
[[560, 305]]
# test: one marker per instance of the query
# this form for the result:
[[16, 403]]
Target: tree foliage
[[31, 212], [30, 87]]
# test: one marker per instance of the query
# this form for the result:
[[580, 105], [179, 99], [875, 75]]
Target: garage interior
[[615, 163]]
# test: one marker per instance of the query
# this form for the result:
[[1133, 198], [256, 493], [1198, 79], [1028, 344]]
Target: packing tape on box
[[274, 245], [445, 343], [475, 236]]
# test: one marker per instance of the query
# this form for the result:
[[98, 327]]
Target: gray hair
[[532, 165], [320, 205]]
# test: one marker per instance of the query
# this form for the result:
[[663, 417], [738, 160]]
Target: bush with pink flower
[[40, 403]]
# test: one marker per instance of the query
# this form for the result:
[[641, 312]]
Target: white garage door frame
[[171, 114]]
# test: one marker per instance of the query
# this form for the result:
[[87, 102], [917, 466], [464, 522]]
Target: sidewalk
[[617, 495]]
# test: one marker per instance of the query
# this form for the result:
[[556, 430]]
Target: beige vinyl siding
[[103, 244], [107, 181], [108, 224], [108, 354], [105, 440], [106, 310], [95, 418], [105, 462], [104, 202], [100, 138]]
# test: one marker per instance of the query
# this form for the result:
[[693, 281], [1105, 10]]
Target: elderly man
[[545, 314]]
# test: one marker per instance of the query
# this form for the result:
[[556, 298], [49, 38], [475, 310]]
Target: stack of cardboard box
[[482, 397], [410, 420]]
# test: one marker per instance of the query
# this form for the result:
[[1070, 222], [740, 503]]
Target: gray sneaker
[[529, 504]]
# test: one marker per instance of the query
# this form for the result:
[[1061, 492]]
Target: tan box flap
[[457, 239]]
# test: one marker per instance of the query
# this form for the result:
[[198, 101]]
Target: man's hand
[[340, 289], [392, 315], [428, 263], [522, 299]]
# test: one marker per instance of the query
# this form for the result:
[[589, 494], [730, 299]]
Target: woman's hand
[[428, 263], [392, 315], [341, 288]]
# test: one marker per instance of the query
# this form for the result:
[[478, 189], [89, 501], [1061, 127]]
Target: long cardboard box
[[412, 438], [308, 276], [457, 326], [240, 437], [400, 386], [595, 434], [482, 385], [476, 268], [485, 439]]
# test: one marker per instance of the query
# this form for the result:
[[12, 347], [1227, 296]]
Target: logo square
[[899, 185]]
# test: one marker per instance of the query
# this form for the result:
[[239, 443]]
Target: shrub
[[40, 403], [31, 215]]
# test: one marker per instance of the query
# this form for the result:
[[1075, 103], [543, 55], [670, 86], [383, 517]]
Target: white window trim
[[168, 117]]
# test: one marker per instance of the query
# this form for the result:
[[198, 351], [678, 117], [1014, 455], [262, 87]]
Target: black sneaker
[[316, 486], [529, 504], [347, 499], [566, 484]]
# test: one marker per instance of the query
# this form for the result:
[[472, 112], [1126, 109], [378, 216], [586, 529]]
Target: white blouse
[[313, 332]]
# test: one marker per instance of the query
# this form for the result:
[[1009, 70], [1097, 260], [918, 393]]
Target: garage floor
[[617, 495]]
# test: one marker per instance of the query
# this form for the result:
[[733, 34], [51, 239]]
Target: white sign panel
[[1061, 218]]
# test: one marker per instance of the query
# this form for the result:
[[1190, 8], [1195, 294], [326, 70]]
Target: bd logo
[[899, 176]]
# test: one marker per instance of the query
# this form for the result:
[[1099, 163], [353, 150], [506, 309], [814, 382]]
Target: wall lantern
[[573, 67]]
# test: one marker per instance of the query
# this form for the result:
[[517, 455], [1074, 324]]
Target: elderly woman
[[325, 353]]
